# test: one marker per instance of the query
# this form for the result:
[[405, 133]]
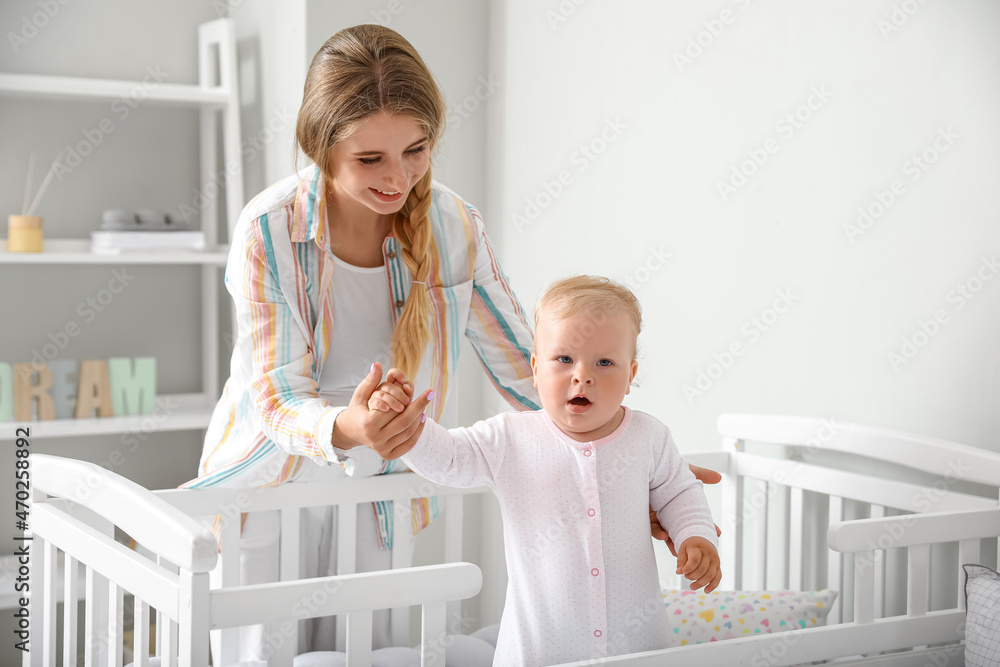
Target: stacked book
[[109, 242], [144, 230]]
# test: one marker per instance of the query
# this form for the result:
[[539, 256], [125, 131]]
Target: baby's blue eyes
[[566, 359]]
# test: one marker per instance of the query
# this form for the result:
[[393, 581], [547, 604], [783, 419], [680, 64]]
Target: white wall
[[676, 131]]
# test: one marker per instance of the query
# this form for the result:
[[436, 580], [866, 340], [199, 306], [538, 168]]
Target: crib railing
[[76, 507], [84, 528], [767, 500], [226, 507]]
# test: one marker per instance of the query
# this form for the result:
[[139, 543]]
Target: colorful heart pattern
[[693, 614]]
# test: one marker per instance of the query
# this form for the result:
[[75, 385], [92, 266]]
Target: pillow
[[982, 616], [697, 617]]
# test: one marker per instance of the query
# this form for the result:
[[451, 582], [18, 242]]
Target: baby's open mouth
[[580, 400]]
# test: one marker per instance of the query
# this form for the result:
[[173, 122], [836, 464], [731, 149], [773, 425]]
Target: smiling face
[[584, 365], [375, 168]]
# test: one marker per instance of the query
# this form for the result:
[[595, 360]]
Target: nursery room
[[261, 259]]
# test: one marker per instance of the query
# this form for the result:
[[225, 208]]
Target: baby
[[574, 482]]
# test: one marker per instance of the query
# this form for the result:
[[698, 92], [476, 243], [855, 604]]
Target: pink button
[[595, 572], [586, 452], [597, 633], [591, 511]]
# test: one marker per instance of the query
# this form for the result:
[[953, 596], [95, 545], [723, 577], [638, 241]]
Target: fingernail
[[372, 369], [423, 418], [430, 396]]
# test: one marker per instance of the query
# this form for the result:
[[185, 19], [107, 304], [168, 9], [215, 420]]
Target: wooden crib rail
[[228, 505], [232, 607], [916, 533], [218, 500], [917, 452], [355, 596], [149, 520]]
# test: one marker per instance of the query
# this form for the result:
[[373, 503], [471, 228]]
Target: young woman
[[337, 270]]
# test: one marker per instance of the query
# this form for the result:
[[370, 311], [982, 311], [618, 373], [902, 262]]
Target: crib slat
[[864, 587], [194, 617], [227, 575], [168, 656], [453, 549], [759, 503], [70, 579], [402, 556], [834, 577], [116, 604], [166, 629], [49, 568], [359, 638], [140, 633], [347, 530], [284, 652], [968, 552], [878, 566], [432, 634], [95, 646], [795, 537], [732, 519], [918, 570], [290, 525]]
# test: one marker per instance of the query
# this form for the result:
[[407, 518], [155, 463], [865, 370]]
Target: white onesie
[[582, 576]]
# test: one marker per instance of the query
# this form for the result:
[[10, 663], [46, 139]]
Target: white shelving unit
[[216, 93], [77, 251]]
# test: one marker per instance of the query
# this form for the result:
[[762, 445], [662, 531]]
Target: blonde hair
[[357, 73], [595, 296]]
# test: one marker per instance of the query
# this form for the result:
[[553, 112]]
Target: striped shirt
[[271, 418]]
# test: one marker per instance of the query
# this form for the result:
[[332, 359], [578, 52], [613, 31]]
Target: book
[[122, 241]]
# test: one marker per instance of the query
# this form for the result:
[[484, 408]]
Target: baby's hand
[[698, 560], [393, 394]]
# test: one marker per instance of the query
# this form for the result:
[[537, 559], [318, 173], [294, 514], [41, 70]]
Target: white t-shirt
[[362, 329]]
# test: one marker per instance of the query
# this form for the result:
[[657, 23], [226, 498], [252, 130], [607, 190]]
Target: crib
[[900, 514]]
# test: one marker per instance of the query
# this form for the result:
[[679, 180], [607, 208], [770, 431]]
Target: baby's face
[[583, 366]]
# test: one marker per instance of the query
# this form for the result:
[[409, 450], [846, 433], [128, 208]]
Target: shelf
[[76, 88], [77, 251], [174, 412]]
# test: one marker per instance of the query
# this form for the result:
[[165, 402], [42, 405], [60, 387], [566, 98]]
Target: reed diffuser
[[24, 232]]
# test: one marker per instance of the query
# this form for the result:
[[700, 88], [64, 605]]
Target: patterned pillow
[[982, 616], [697, 617]]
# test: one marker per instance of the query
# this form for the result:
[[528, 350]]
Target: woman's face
[[380, 162]]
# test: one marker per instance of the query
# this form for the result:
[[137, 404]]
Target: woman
[[334, 271]]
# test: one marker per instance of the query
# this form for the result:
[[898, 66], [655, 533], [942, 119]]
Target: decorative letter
[[94, 390], [133, 387], [64, 379], [25, 390], [6, 393]]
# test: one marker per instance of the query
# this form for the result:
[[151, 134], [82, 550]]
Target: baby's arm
[[677, 497], [698, 561], [462, 457]]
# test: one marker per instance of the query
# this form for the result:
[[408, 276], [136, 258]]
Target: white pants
[[259, 563]]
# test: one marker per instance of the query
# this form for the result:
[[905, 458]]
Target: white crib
[[885, 498], [77, 506]]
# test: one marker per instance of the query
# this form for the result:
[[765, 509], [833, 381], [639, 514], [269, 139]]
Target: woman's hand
[[389, 434], [657, 531]]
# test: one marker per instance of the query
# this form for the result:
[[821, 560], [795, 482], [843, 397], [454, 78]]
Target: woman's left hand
[[706, 476]]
